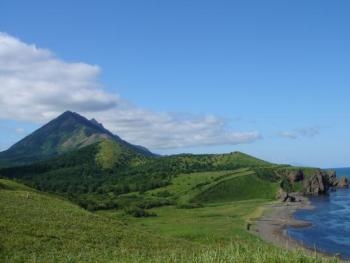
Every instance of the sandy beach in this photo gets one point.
(272, 226)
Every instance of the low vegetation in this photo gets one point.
(239, 188)
(40, 227)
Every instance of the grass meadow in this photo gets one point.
(39, 227)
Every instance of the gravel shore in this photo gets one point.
(277, 217)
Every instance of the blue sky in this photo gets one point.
(270, 78)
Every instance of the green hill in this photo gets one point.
(97, 170)
(83, 161)
(101, 175)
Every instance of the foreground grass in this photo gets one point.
(37, 227)
(221, 223)
(219, 230)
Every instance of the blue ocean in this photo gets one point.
(330, 230)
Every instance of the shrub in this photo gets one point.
(189, 206)
(139, 212)
(164, 193)
(151, 203)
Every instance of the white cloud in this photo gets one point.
(301, 132)
(165, 130)
(37, 86)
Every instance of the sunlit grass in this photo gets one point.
(38, 227)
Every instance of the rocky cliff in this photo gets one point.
(317, 182)
(322, 181)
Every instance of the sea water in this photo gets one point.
(330, 230)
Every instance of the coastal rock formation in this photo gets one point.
(333, 181)
(316, 184)
(322, 181)
(332, 177)
(343, 182)
(288, 197)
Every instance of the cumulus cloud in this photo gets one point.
(165, 130)
(301, 132)
(37, 86)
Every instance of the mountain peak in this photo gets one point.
(69, 131)
(69, 114)
(70, 118)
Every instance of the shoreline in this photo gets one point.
(277, 217)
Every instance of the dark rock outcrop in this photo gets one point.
(331, 177)
(317, 183)
(313, 182)
(295, 176)
(288, 197)
(323, 181)
(343, 182)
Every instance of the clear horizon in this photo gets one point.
(266, 78)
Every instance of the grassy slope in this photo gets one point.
(108, 155)
(220, 228)
(244, 160)
(213, 224)
(37, 227)
(220, 186)
(184, 187)
(245, 187)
